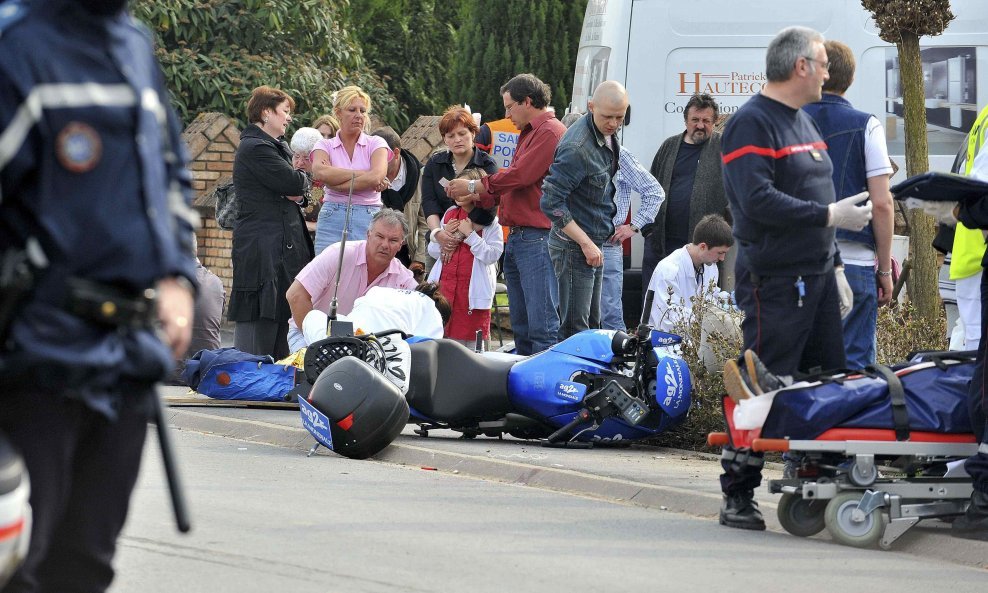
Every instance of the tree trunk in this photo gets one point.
(922, 281)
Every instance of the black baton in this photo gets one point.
(171, 470)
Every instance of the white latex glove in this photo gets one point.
(942, 211)
(844, 292)
(850, 213)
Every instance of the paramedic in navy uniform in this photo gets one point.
(91, 167)
(777, 176)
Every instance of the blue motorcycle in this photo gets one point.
(597, 386)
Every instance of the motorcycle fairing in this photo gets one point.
(591, 345)
(534, 383)
(672, 383)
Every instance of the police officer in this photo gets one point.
(93, 182)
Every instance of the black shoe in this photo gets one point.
(973, 524)
(759, 377)
(735, 382)
(739, 510)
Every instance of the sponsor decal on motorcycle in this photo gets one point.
(671, 386)
(316, 423)
(571, 391)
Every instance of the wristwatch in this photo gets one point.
(472, 186)
(883, 274)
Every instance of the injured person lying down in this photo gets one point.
(926, 393)
(421, 312)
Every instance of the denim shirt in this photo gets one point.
(579, 185)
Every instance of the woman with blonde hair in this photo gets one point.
(327, 125)
(352, 157)
(270, 242)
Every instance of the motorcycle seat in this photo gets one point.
(450, 383)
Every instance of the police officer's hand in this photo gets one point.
(851, 214)
(175, 302)
(595, 258)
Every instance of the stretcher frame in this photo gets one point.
(839, 486)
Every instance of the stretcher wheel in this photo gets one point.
(800, 516)
(849, 529)
(862, 477)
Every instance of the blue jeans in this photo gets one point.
(579, 285)
(533, 295)
(611, 306)
(859, 325)
(329, 227)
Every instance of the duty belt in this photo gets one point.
(110, 305)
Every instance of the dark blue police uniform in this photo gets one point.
(92, 167)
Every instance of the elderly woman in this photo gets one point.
(459, 131)
(270, 243)
(351, 158)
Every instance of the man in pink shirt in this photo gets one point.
(365, 264)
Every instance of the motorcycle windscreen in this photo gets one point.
(672, 383)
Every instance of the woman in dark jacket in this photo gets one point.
(270, 241)
(459, 130)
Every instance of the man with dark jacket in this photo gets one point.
(856, 145)
(578, 197)
(777, 175)
(405, 195)
(687, 166)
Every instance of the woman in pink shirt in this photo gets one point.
(350, 155)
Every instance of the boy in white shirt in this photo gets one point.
(688, 271)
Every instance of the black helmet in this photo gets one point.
(365, 411)
(15, 511)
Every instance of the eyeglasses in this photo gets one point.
(826, 65)
(508, 108)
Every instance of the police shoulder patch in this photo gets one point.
(78, 147)
(11, 12)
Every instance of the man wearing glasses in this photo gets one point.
(532, 291)
(777, 176)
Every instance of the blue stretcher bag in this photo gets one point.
(928, 393)
(228, 373)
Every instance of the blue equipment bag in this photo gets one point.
(228, 373)
(928, 393)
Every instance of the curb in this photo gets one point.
(930, 539)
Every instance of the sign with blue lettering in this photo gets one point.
(316, 423)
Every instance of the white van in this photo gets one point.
(663, 51)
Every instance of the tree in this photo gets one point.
(408, 43)
(214, 52)
(499, 39)
(903, 22)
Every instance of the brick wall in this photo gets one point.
(212, 141)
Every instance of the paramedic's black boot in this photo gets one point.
(760, 378)
(974, 523)
(739, 510)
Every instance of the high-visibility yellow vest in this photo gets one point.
(969, 244)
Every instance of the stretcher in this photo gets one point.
(861, 484)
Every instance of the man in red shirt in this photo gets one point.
(532, 290)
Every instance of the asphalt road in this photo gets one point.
(269, 519)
